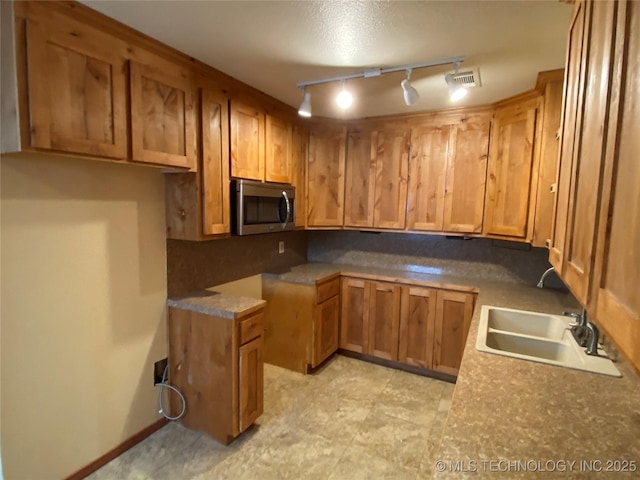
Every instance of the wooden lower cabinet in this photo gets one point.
(414, 325)
(453, 318)
(217, 364)
(301, 322)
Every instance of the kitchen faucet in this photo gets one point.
(579, 328)
(592, 347)
(544, 275)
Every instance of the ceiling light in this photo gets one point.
(305, 106)
(344, 98)
(410, 94)
(456, 91)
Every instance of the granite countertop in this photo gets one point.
(217, 304)
(509, 410)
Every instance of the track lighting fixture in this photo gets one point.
(409, 93)
(456, 91)
(305, 106)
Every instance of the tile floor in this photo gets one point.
(350, 420)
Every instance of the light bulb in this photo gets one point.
(344, 99)
(456, 91)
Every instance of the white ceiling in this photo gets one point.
(273, 45)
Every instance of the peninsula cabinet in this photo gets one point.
(376, 178)
(301, 322)
(325, 176)
(597, 240)
(197, 204)
(512, 171)
(217, 364)
(410, 324)
(247, 130)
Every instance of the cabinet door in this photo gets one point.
(392, 165)
(417, 326)
(587, 168)
(77, 85)
(278, 166)
(384, 320)
(617, 273)
(510, 170)
(453, 317)
(466, 177)
(299, 180)
(427, 167)
(361, 177)
(570, 123)
(163, 113)
(250, 383)
(327, 329)
(215, 163)
(354, 315)
(325, 177)
(247, 141)
(548, 169)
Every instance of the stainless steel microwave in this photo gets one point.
(262, 207)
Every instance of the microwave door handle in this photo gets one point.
(286, 202)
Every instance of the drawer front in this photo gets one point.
(251, 328)
(328, 289)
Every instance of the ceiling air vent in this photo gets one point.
(468, 78)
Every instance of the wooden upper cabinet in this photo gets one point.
(163, 111)
(247, 125)
(570, 122)
(511, 169)
(550, 85)
(617, 274)
(417, 326)
(427, 168)
(466, 176)
(325, 177)
(216, 209)
(278, 162)
(300, 143)
(361, 178)
(454, 311)
(392, 164)
(76, 88)
(587, 166)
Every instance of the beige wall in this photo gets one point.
(83, 269)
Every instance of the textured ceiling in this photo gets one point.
(273, 45)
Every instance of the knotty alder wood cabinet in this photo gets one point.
(198, 203)
(300, 143)
(301, 322)
(217, 364)
(415, 325)
(597, 232)
(72, 81)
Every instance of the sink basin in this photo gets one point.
(538, 337)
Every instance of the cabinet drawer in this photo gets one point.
(251, 328)
(327, 290)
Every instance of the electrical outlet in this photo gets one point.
(158, 370)
(281, 246)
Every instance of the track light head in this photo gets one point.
(305, 106)
(409, 93)
(344, 98)
(456, 91)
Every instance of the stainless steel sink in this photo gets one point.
(538, 337)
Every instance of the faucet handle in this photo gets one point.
(571, 314)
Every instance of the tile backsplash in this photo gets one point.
(476, 258)
(195, 265)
